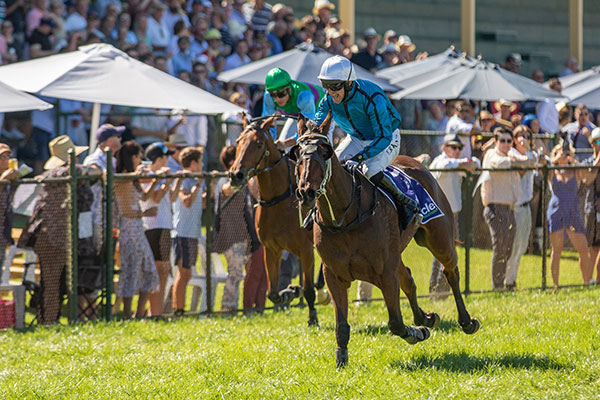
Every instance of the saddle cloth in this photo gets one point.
(413, 189)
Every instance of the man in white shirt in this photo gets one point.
(450, 182)
(546, 110)
(77, 21)
(157, 30)
(459, 123)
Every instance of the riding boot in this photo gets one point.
(407, 207)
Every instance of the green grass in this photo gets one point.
(531, 345)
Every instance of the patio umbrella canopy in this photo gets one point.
(398, 75)
(582, 87)
(474, 79)
(15, 100)
(100, 73)
(302, 63)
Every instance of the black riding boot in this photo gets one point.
(407, 207)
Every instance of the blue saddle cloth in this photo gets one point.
(413, 189)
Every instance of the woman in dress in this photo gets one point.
(138, 271)
(564, 216)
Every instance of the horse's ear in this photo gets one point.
(245, 121)
(301, 124)
(324, 128)
(268, 123)
(294, 153)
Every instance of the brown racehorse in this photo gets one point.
(277, 214)
(358, 236)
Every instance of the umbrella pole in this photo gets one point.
(95, 122)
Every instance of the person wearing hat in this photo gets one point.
(512, 62)
(40, 44)
(107, 135)
(368, 58)
(451, 184)
(461, 123)
(45, 230)
(322, 11)
(591, 182)
(579, 131)
(6, 213)
(289, 97)
(390, 56)
(406, 48)
(504, 109)
(214, 52)
(334, 42)
(158, 228)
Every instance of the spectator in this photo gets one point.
(234, 130)
(140, 29)
(174, 13)
(276, 31)
(137, 268)
(486, 120)
(233, 220)
(76, 21)
(406, 48)
(546, 110)
(107, 135)
(15, 13)
(450, 182)
(564, 216)
(187, 216)
(591, 209)
(255, 52)
(157, 31)
(580, 130)
(500, 192)
(218, 20)
(214, 52)
(237, 22)
(102, 7)
(538, 75)
(322, 11)
(194, 129)
(521, 151)
(40, 43)
(182, 60)
(45, 230)
(8, 49)
(506, 108)
(158, 227)
(239, 57)
(390, 56)
(368, 58)
(123, 29)
(258, 13)
(390, 36)
(334, 42)
(459, 123)
(39, 8)
(150, 128)
(6, 214)
(512, 62)
(35, 149)
(434, 123)
(176, 144)
(571, 67)
(57, 10)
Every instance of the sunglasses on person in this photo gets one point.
(278, 93)
(505, 140)
(584, 114)
(454, 147)
(334, 86)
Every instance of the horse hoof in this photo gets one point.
(432, 320)
(341, 358)
(472, 327)
(313, 320)
(416, 334)
(323, 297)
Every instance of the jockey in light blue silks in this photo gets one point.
(364, 112)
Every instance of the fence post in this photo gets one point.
(544, 223)
(468, 230)
(209, 220)
(108, 236)
(73, 304)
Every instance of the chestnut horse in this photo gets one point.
(358, 236)
(277, 213)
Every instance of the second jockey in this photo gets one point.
(362, 110)
(289, 97)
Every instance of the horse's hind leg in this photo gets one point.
(442, 248)
(390, 287)
(408, 286)
(308, 268)
(339, 295)
(272, 262)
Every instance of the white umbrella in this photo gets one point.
(474, 79)
(100, 73)
(401, 75)
(582, 87)
(302, 63)
(15, 100)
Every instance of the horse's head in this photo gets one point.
(252, 149)
(313, 159)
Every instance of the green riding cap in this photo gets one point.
(277, 78)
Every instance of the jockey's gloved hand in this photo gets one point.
(358, 158)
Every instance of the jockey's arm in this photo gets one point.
(306, 105)
(269, 109)
(322, 110)
(382, 126)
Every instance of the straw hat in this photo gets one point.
(404, 40)
(59, 151)
(503, 102)
(320, 4)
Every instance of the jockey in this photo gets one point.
(289, 97)
(364, 112)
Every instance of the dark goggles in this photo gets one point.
(333, 85)
(279, 93)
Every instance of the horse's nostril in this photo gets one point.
(310, 193)
(239, 175)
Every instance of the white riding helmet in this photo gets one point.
(337, 68)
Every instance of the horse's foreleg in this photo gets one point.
(272, 263)
(390, 287)
(339, 295)
(469, 325)
(408, 286)
(308, 268)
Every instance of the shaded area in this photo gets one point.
(463, 362)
